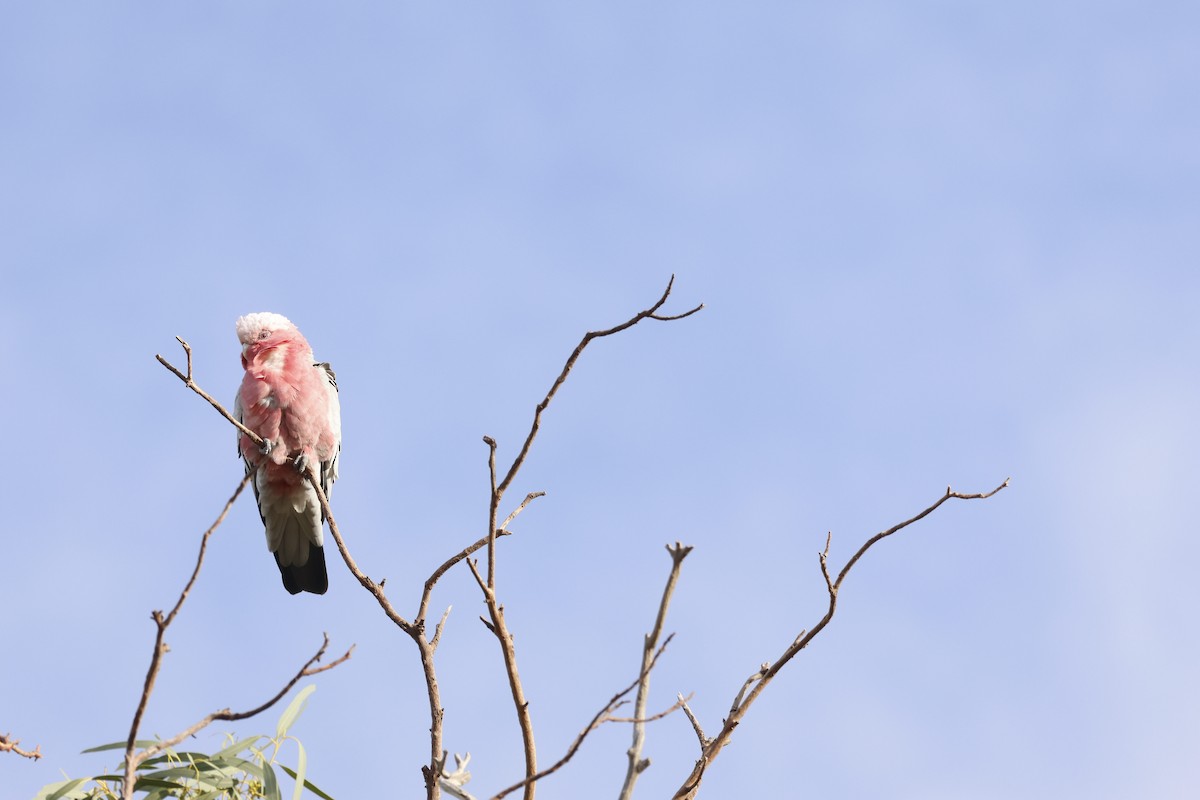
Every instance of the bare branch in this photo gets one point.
(753, 679)
(437, 631)
(602, 716)
(666, 712)
(950, 494)
(225, 715)
(162, 623)
(705, 741)
(445, 567)
(650, 313)
(493, 504)
(191, 384)
(637, 765)
(824, 559)
(415, 631)
(495, 610)
(10, 745)
(754, 686)
(371, 586)
(423, 609)
(529, 498)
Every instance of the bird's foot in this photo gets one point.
(266, 447)
(300, 462)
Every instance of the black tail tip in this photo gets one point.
(308, 577)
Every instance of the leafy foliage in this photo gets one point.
(243, 770)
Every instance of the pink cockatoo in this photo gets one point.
(291, 401)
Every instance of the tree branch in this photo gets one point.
(755, 685)
(649, 313)
(498, 626)
(10, 745)
(191, 384)
(162, 623)
(637, 765)
(602, 716)
(225, 715)
(132, 757)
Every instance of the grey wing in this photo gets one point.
(329, 467)
(239, 415)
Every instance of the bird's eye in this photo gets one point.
(264, 334)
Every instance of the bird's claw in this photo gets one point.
(266, 447)
(301, 463)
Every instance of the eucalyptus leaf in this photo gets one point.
(270, 784)
(307, 784)
(235, 748)
(141, 744)
(301, 770)
(293, 710)
(62, 790)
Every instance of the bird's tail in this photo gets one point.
(307, 577)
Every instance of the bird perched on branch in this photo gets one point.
(291, 401)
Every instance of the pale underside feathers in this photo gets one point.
(291, 401)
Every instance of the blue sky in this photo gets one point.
(939, 243)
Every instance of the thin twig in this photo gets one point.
(437, 631)
(529, 498)
(599, 719)
(225, 715)
(562, 376)
(162, 623)
(671, 709)
(371, 586)
(445, 567)
(753, 679)
(498, 626)
(191, 384)
(133, 758)
(415, 631)
(493, 505)
(10, 745)
(638, 765)
(705, 741)
(758, 682)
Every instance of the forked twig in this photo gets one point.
(161, 623)
(602, 716)
(191, 384)
(649, 313)
(133, 757)
(637, 764)
(754, 686)
(497, 625)
(11, 745)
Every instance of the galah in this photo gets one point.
(291, 401)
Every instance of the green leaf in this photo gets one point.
(301, 770)
(293, 710)
(138, 743)
(61, 790)
(234, 749)
(270, 784)
(307, 784)
(156, 783)
(173, 757)
(209, 779)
